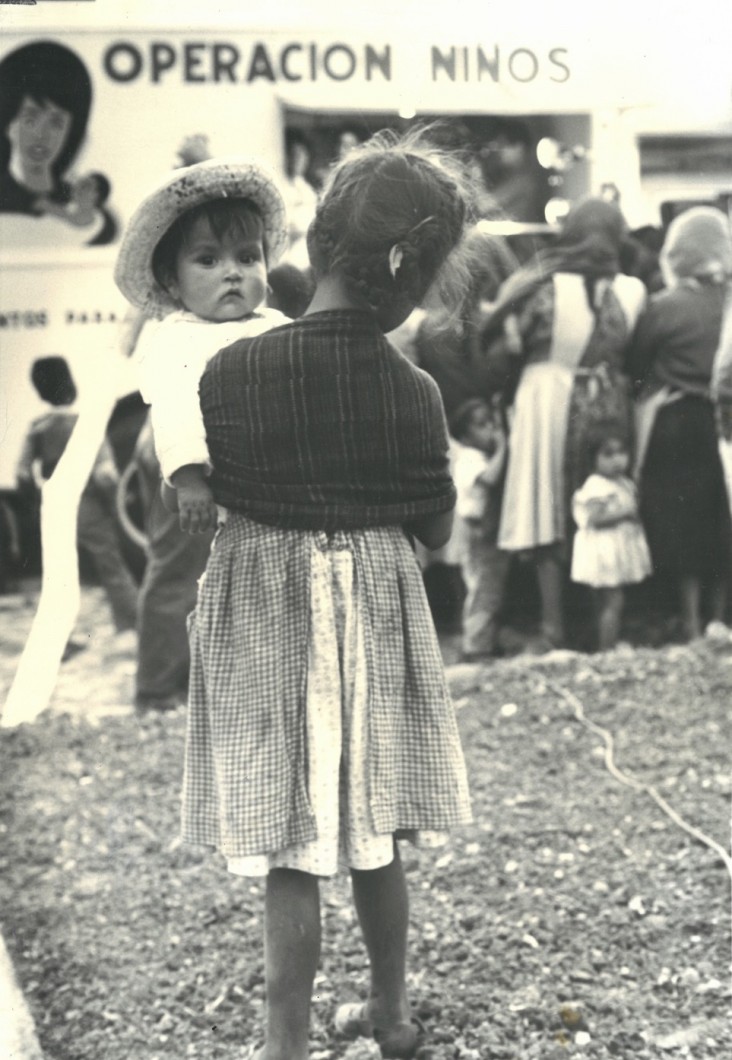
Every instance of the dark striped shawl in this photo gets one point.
(322, 425)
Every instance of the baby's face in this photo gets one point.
(85, 191)
(219, 279)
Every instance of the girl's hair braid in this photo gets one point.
(391, 191)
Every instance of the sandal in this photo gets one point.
(399, 1042)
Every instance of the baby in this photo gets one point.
(88, 195)
(196, 252)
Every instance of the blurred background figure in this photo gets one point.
(300, 196)
(348, 138)
(722, 393)
(97, 530)
(511, 173)
(478, 457)
(193, 148)
(572, 314)
(290, 289)
(175, 562)
(609, 550)
(453, 351)
(683, 499)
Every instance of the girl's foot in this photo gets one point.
(398, 1040)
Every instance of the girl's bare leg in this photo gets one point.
(292, 952)
(382, 905)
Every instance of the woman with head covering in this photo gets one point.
(683, 499)
(572, 313)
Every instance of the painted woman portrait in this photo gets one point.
(45, 100)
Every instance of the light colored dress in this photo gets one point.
(562, 322)
(608, 556)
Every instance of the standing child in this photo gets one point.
(196, 253)
(610, 548)
(479, 460)
(319, 720)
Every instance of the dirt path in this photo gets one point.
(574, 918)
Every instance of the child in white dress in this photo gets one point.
(610, 548)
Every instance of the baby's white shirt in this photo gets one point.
(171, 355)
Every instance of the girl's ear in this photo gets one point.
(396, 256)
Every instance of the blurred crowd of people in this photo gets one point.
(587, 387)
(605, 386)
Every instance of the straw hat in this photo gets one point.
(216, 178)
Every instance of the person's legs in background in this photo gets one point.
(485, 570)
(550, 574)
(167, 596)
(609, 612)
(97, 534)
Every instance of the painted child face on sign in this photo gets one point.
(86, 192)
(38, 132)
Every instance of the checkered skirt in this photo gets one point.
(246, 767)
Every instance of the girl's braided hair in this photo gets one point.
(391, 191)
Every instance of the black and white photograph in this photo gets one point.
(365, 530)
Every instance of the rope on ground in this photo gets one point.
(609, 758)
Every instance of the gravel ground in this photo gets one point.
(574, 918)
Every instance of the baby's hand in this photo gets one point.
(196, 508)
